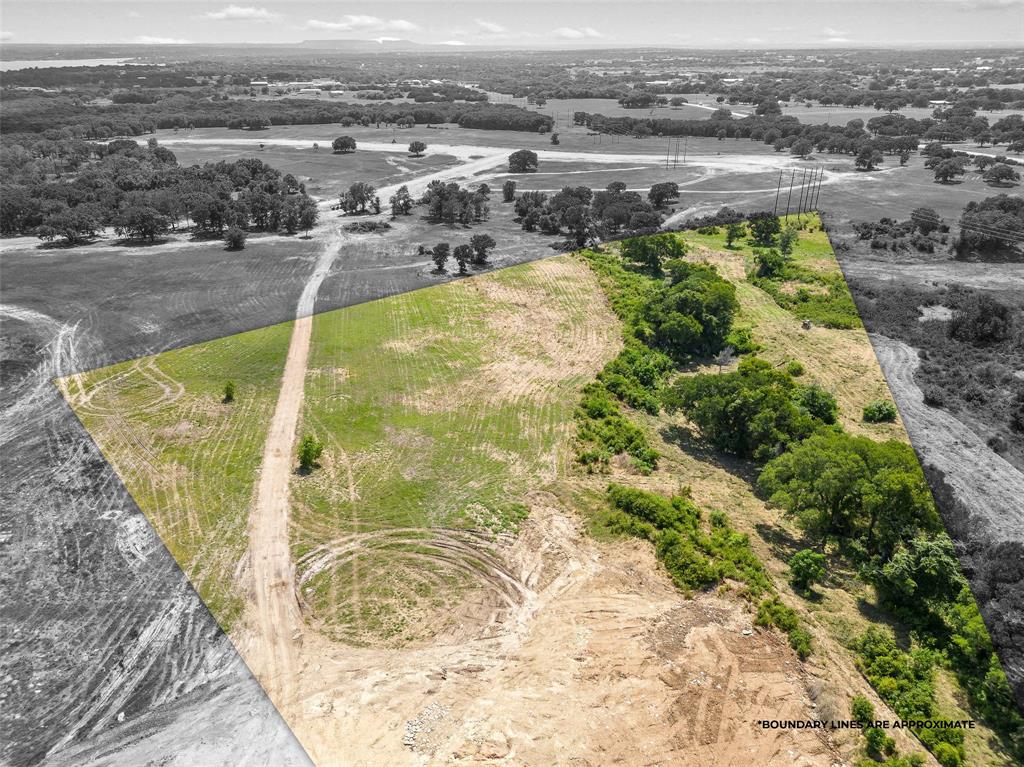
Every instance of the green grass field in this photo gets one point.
(440, 410)
(189, 459)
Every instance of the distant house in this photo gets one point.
(939, 103)
(259, 84)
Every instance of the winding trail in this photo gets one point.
(274, 615)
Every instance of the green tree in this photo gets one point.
(770, 264)
(733, 232)
(235, 237)
(763, 229)
(788, 239)
(417, 148)
(508, 191)
(310, 450)
(653, 251)
(481, 244)
(401, 202)
(947, 170)
(806, 568)
(462, 254)
(343, 145)
(853, 488)
(522, 161)
(229, 391)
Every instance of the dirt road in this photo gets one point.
(990, 487)
(274, 622)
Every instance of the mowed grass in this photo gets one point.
(440, 410)
(189, 459)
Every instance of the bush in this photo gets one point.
(229, 391)
(806, 568)
(772, 612)
(310, 450)
(947, 755)
(235, 238)
(880, 411)
(862, 710)
(695, 557)
(795, 368)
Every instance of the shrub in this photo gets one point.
(310, 450)
(806, 568)
(795, 368)
(235, 238)
(862, 710)
(772, 612)
(229, 391)
(880, 411)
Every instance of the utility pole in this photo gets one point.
(775, 210)
(792, 175)
(686, 143)
(817, 193)
(800, 203)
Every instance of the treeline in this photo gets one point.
(673, 311)
(142, 193)
(41, 115)
(666, 321)
(891, 134)
(865, 500)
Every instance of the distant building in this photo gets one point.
(259, 84)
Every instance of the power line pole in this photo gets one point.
(775, 210)
(792, 175)
(817, 194)
(800, 203)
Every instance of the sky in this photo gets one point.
(524, 23)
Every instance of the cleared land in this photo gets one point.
(441, 565)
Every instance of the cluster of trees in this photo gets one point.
(755, 412)
(585, 216)
(475, 252)
(360, 198)
(142, 193)
(671, 310)
(991, 225)
(451, 204)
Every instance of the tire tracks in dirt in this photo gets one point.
(274, 620)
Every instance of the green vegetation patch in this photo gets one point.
(439, 410)
(189, 455)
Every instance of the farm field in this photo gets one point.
(441, 565)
